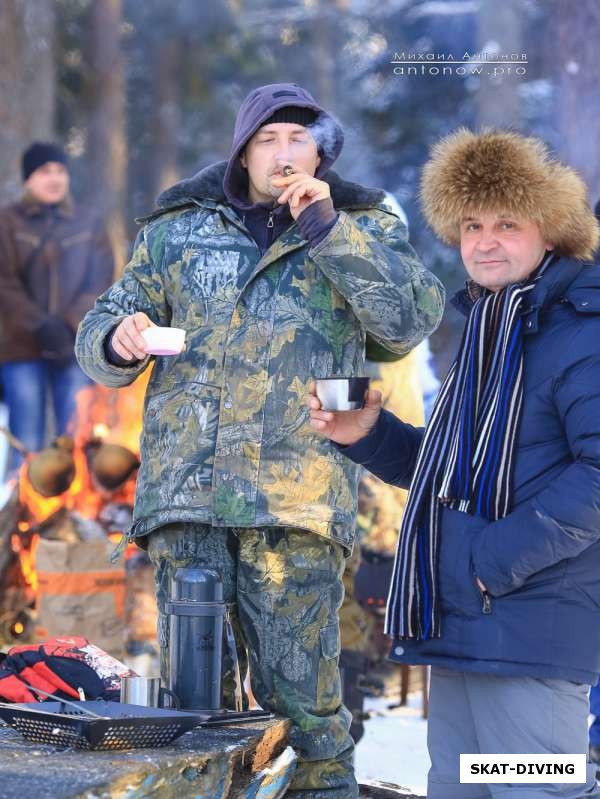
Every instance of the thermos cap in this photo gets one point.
(196, 585)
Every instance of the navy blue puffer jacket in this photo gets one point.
(541, 563)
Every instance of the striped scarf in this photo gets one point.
(466, 457)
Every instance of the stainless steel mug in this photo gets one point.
(145, 691)
(342, 393)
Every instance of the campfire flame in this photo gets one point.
(100, 431)
(113, 415)
(109, 415)
(25, 548)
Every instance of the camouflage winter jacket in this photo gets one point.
(226, 437)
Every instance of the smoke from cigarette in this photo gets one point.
(323, 131)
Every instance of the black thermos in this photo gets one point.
(196, 611)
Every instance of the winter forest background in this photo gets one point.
(143, 92)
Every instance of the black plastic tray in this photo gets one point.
(124, 726)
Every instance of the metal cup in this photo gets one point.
(145, 691)
(342, 393)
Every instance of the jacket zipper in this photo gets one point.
(487, 603)
(53, 278)
(271, 230)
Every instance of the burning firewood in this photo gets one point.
(9, 517)
(78, 491)
(16, 595)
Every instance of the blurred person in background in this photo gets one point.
(55, 258)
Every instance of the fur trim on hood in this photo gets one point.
(208, 185)
(504, 171)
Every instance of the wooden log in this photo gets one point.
(245, 761)
(14, 594)
(9, 516)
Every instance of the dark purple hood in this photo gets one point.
(258, 107)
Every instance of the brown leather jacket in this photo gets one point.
(62, 280)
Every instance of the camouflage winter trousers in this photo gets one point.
(284, 588)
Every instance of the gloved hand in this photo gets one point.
(56, 340)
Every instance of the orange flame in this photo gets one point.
(113, 415)
(26, 555)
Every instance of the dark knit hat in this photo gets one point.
(263, 105)
(38, 154)
(294, 114)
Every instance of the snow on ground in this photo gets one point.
(394, 746)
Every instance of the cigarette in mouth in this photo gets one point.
(288, 169)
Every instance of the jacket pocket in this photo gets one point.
(581, 584)
(459, 592)
(330, 641)
(177, 446)
(213, 273)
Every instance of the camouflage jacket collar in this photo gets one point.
(205, 188)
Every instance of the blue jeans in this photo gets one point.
(26, 385)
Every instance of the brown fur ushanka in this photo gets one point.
(505, 172)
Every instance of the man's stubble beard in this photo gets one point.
(274, 191)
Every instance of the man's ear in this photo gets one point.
(243, 159)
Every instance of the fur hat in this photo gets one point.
(507, 172)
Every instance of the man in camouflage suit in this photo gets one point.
(276, 279)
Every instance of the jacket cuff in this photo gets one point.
(365, 448)
(89, 349)
(112, 356)
(316, 221)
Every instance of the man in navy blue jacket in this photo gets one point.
(496, 581)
